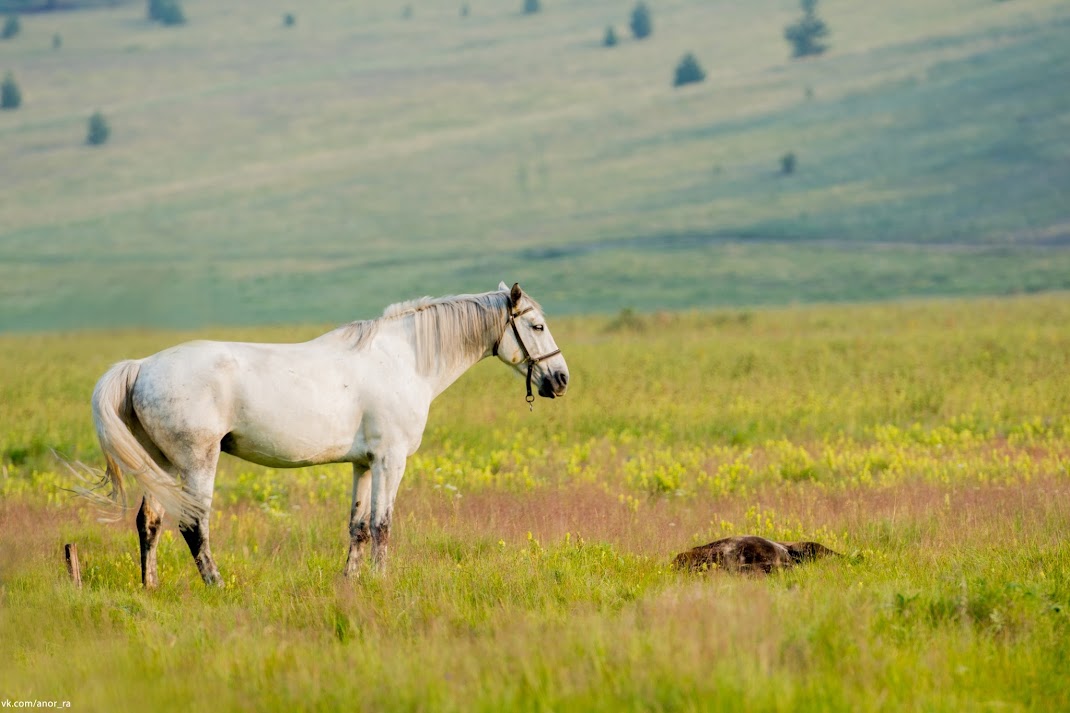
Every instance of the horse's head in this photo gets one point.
(527, 345)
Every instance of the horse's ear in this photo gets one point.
(516, 294)
(502, 287)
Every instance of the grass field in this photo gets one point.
(259, 176)
(262, 174)
(929, 441)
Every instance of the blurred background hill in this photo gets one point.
(268, 161)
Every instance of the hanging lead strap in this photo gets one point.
(530, 399)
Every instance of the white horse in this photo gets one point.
(359, 394)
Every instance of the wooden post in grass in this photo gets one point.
(70, 553)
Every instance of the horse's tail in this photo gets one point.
(113, 416)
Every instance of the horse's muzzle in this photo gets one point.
(554, 384)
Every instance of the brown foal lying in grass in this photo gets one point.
(748, 553)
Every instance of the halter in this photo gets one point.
(528, 359)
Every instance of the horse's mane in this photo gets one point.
(444, 331)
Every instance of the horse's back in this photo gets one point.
(275, 404)
(226, 370)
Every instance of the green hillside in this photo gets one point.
(262, 173)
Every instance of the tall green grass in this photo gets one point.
(927, 441)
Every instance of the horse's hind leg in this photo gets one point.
(196, 536)
(148, 529)
(199, 483)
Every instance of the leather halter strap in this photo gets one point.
(530, 360)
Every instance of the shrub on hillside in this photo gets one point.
(289, 20)
(167, 12)
(626, 321)
(610, 38)
(787, 163)
(57, 41)
(99, 131)
(12, 26)
(688, 71)
(173, 15)
(805, 34)
(10, 96)
(641, 23)
(532, 6)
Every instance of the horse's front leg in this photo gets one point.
(359, 516)
(374, 490)
(387, 470)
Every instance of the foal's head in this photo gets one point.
(527, 345)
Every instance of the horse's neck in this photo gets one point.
(445, 377)
(453, 369)
(451, 355)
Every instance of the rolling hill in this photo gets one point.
(258, 173)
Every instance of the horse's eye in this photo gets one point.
(538, 327)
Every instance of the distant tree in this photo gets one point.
(12, 26)
(610, 39)
(641, 23)
(57, 41)
(805, 34)
(532, 6)
(289, 20)
(167, 12)
(688, 71)
(99, 131)
(406, 12)
(10, 96)
(787, 163)
(464, 10)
